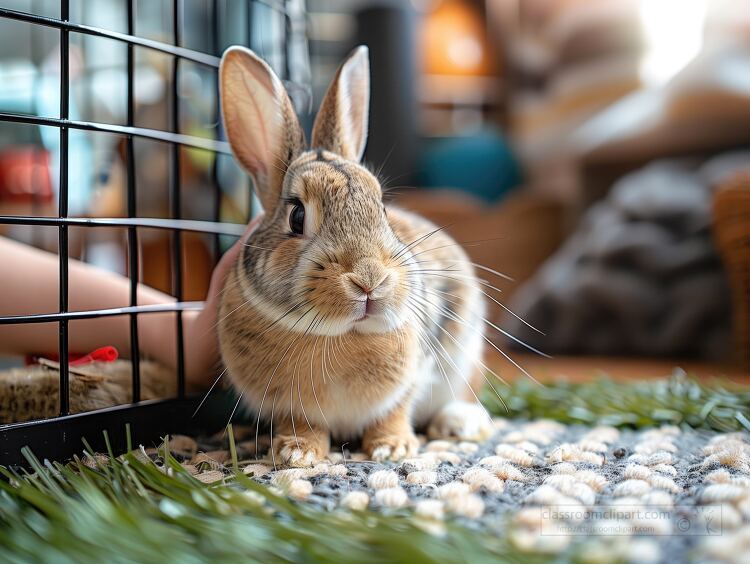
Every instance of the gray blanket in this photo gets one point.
(640, 275)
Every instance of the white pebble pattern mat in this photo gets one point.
(654, 495)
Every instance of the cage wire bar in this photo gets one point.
(216, 47)
(59, 437)
(135, 349)
(64, 388)
(175, 201)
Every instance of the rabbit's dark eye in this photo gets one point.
(297, 218)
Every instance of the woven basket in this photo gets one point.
(732, 235)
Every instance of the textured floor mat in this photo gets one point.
(598, 493)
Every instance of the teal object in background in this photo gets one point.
(482, 165)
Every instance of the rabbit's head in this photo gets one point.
(325, 259)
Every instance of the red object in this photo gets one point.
(25, 175)
(103, 354)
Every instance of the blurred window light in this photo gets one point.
(674, 35)
(465, 52)
(453, 40)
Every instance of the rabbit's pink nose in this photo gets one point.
(370, 287)
(363, 286)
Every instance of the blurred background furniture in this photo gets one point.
(512, 122)
(731, 212)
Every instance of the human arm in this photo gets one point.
(29, 285)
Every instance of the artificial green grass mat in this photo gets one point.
(128, 509)
(719, 406)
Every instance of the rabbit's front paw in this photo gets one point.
(298, 451)
(461, 420)
(392, 447)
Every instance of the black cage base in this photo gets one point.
(62, 437)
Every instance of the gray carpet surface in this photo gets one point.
(597, 494)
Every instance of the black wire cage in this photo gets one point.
(201, 29)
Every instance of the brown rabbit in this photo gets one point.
(342, 316)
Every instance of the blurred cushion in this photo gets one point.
(482, 165)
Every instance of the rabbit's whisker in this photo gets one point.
(504, 354)
(409, 246)
(241, 392)
(273, 450)
(327, 353)
(443, 353)
(498, 329)
(434, 270)
(301, 403)
(312, 384)
(208, 393)
(447, 356)
(478, 363)
(227, 286)
(418, 240)
(291, 411)
(290, 310)
(491, 271)
(454, 276)
(463, 244)
(422, 335)
(413, 255)
(439, 365)
(338, 343)
(510, 311)
(270, 378)
(315, 346)
(215, 325)
(412, 273)
(257, 247)
(244, 387)
(476, 265)
(326, 374)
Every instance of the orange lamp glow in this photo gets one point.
(453, 40)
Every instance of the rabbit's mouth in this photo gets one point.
(376, 317)
(368, 308)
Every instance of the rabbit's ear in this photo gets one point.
(260, 122)
(341, 124)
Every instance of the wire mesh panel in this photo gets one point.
(146, 113)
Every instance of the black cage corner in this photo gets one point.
(147, 421)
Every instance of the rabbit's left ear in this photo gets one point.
(260, 122)
(341, 124)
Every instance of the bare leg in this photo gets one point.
(29, 283)
(31, 287)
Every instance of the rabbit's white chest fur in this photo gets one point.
(431, 386)
(351, 412)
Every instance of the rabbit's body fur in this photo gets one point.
(358, 377)
(364, 323)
